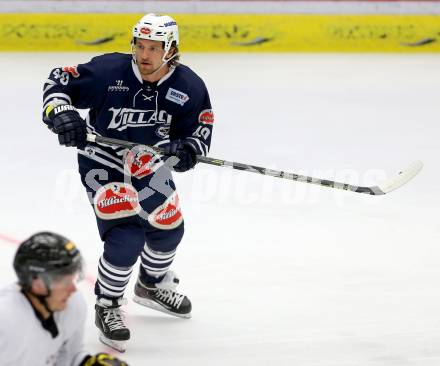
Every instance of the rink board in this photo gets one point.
(227, 33)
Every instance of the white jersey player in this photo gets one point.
(43, 316)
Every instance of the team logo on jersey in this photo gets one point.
(168, 215)
(141, 163)
(129, 117)
(176, 96)
(72, 70)
(148, 98)
(206, 117)
(163, 132)
(115, 201)
(145, 30)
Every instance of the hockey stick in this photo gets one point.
(382, 188)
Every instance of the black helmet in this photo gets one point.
(46, 255)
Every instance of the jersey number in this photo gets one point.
(202, 132)
(62, 76)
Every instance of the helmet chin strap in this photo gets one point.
(42, 299)
(165, 62)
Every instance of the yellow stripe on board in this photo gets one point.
(227, 33)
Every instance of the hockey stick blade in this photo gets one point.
(399, 180)
(387, 186)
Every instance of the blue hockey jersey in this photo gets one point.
(123, 106)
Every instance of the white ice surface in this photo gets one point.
(279, 272)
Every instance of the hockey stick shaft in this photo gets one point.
(374, 190)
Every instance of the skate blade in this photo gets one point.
(119, 346)
(155, 306)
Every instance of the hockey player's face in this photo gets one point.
(148, 55)
(61, 290)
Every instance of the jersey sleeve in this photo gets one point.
(196, 122)
(78, 86)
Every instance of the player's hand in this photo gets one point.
(185, 153)
(66, 122)
(104, 359)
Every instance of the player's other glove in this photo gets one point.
(103, 359)
(66, 122)
(184, 151)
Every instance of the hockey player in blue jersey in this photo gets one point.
(150, 98)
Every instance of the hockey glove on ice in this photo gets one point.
(184, 151)
(66, 122)
(103, 359)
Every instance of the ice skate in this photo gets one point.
(163, 297)
(110, 321)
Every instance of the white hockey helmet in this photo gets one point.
(157, 28)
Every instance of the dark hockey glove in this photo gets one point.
(103, 359)
(66, 122)
(180, 155)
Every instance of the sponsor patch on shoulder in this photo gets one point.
(116, 200)
(176, 96)
(72, 70)
(206, 117)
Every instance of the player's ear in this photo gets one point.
(38, 286)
